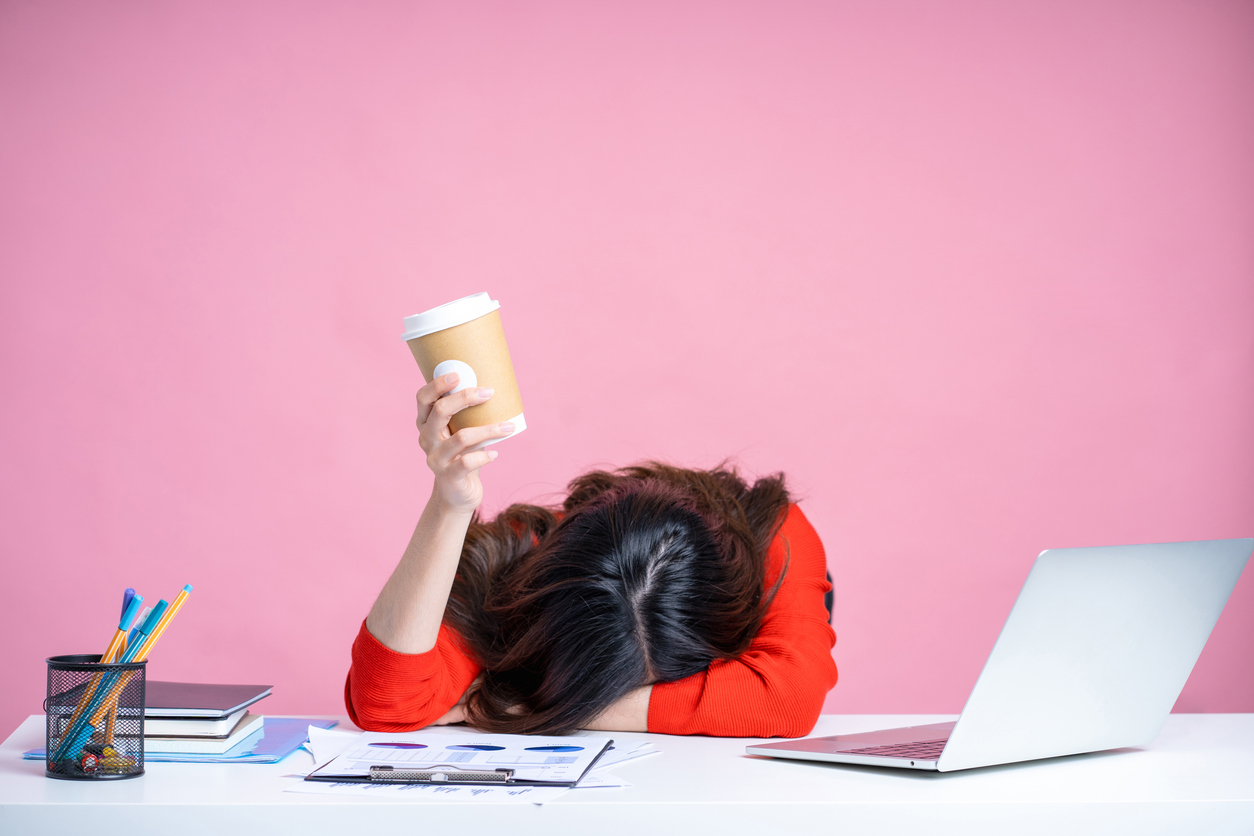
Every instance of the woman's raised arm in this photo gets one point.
(407, 614)
(409, 671)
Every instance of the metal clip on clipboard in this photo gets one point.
(439, 774)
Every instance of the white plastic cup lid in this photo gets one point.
(447, 315)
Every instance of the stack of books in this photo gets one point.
(199, 719)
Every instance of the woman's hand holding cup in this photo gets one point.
(451, 456)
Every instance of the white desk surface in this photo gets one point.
(1197, 777)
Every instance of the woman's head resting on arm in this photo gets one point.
(651, 573)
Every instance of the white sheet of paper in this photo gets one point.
(628, 751)
(325, 744)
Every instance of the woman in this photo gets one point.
(657, 599)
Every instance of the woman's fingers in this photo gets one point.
(470, 437)
(434, 429)
(473, 461)
(452, 457)
(449, 405)
(432, 392)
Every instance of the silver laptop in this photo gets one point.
(1094, 654)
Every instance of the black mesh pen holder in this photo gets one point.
(95, 719)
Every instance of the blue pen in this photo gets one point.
(128, 615)
(126, 599)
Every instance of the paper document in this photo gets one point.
(600, 781)
(325, 745)
(545, 761)
(623, 751)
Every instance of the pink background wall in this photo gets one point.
(978, 276)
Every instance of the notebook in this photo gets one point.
(195, 699)
(249, 724)
(193, 726)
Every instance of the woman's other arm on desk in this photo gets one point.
(777, 687)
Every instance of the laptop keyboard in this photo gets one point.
(923, 750)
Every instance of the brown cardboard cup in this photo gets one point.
(468, 331)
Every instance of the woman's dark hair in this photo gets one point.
(650, 573)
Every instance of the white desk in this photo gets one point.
(1197, 778)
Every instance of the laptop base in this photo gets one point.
(909, 747)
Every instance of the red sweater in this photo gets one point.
(773, 689)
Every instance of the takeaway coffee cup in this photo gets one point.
(466, 337)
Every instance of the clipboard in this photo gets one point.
(460, 759)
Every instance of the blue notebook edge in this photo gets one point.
(278, 738)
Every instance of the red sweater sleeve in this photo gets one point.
(776, 687)
(392, 692)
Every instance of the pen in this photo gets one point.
(124, 624)
(119, 640)
(138, 621)
(145, 630)
(164, 622)
(110, 719)
(158, 620)
(140, 655)
(138, 652)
